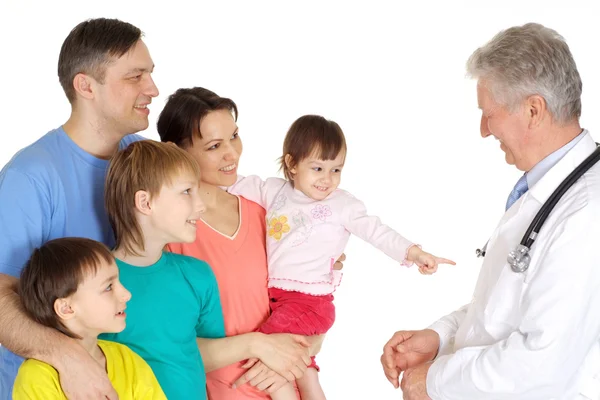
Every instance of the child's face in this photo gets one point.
(99, 304)
(318, 178)
(176, 210)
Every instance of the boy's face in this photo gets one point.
(176, 210)
(99, 304)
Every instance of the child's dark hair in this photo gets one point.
(54, 271)
(308, 135)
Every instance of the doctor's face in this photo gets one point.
(508, 128)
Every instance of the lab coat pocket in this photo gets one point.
(503, 306)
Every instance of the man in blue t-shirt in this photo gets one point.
(55, 187)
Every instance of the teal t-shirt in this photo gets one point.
(172, 302)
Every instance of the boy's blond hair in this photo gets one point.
(144, 165)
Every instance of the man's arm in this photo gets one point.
(558, 327)
(78, 372)
(446, 327)
(25, 215)
(39, 342)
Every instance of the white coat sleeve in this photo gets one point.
(446, 327)
(558, 325)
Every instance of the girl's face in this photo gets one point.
(218, 150)
(317, 178)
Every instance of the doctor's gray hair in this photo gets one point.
(530, 60)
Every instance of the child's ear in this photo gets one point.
(142, 202)
(62, 308)
(289, 163)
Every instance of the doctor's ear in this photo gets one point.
(536, 110)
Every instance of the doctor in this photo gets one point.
(535, 334)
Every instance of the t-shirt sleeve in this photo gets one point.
(146, 385)
(37, 381)
(25, 215)
(210, 324)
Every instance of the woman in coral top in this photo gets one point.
(231, 238)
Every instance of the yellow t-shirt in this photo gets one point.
(129, 374)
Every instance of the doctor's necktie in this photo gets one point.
(518, 191)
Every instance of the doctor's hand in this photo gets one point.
(414, 383)
(408, 349)
(426, 262)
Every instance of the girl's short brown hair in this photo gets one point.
(143, 165)
(311, 134)
(54, 271)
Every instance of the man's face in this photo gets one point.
(509, 128)
(122, 100)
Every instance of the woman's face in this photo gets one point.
(218, 150)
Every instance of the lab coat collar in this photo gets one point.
(542, 190)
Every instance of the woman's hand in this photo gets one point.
(284, 353)
(261, 377)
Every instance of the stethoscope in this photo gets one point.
(519, 258)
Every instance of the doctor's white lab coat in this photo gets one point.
(532, 335)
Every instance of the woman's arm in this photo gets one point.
(263, 378)
(286, 354)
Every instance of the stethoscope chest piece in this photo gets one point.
(519, 258)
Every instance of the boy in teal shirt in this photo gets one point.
(151, 197)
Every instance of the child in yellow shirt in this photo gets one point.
(72, 285)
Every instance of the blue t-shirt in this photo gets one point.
(50, 189)
(173, 302)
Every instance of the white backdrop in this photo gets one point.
(391, 75)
